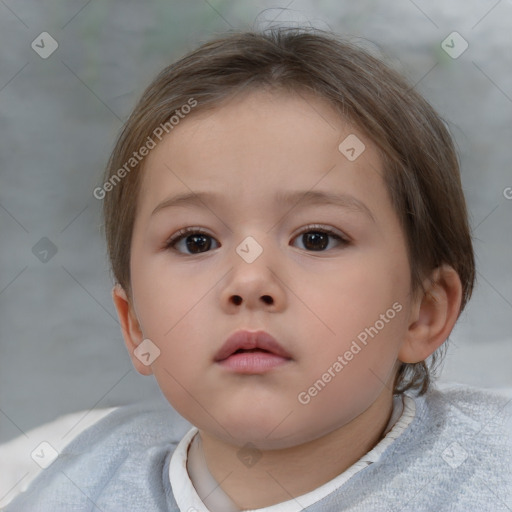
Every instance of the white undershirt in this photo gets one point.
(190, 477)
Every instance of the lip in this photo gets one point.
(269, 355)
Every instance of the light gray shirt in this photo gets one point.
(454, 454)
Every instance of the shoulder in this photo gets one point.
(117, 463)
(144, 423)
(455, 454)
(460, 412)
(475, 407)
(462, 441)
(130, 429)
(26, 456)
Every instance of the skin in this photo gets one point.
(314, 302)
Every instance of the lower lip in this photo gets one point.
(253, 362)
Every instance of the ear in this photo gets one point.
(433, 315)
(130, 327)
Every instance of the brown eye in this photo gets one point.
(190, 241)
(317, 239)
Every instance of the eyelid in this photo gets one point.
(196, 229)
(327, 229)
(184, 231)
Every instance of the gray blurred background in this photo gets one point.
(60, 343)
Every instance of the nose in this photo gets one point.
(254, 286)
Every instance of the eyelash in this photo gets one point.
(182, 233)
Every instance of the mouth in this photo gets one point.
(244, 350)
(251, 352)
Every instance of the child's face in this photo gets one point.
(314, 295)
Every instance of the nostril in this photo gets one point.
(267, 299)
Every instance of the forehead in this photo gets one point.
(258, 143)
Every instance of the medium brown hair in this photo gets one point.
(421, 169)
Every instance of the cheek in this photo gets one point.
(175, 313)
(351, 370)
(163, 298)
(355, 295)
(361, 313)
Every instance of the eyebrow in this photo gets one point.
(288, 198)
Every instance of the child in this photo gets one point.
(333, 259)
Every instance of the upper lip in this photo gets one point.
(248, 340)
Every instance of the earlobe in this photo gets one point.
(433, 315)
(130, 327)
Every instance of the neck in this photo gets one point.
(282, 474)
